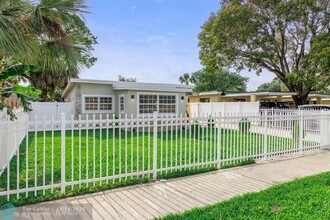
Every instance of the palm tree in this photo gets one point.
(36, 34)
(184, 79)
(13, 41)
(24, 25)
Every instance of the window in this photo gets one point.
(239, 100)
(167, 103)
(98, 103)
(149, 104)
(105, 103)
(91, 103)
(121, 103)
(204, 99)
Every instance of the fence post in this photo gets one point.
(324, 128)
(198, 108)
(328, 123)
(327, 120)
(239, 107)
(301, 135)
(155, 146)
(8, 156)
(219, 142)
(265, 131)
(62, 153)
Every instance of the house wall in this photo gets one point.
(131, 105)
(219, 98)
(256, 98)
(92, 89)
(213, 98)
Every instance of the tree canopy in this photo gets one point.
(274, 86)
(185, 79)
(288, 38)
(126, 79)
(43, 41)
(221, 80)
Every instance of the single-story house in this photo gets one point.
(215, 96)
(119, 98)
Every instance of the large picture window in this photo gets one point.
(147, 104)
(167, 104)
(164, 104)
(98, 103)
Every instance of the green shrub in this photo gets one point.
(244, 125)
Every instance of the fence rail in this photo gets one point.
(71, 155)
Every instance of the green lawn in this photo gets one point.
(306, 198)
(127, 153)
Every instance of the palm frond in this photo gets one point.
(12, 38)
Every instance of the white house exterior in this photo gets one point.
(101, 97)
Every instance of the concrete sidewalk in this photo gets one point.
(176, 195)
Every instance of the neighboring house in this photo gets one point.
(120, 98)
(215, 96)
(12, 101)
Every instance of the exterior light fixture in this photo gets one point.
(132, 97)
(182, 97)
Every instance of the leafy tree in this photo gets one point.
(9, 86)
(274, 86)
(289, 38)
(126, 79)
(218, 81)
(34, 39)
(185, 79)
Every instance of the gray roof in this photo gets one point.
(234, 94)
(117, 85)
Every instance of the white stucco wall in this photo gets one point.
(131, 105)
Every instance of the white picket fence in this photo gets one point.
(9, 142)
(68, 155)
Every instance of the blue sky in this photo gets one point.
(151, 40)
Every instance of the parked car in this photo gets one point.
(267, 105)
(314, 107)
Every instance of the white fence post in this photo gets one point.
(239, 107)
(198, 108)
(63, 153)
(301, 130)
(8, 157)
(155, 147)
(219, 143)
(265, 135)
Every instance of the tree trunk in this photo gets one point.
(52, 94)
(43, 95)
(300, 99)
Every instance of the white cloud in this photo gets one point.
(153, 62)
(148, 64)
